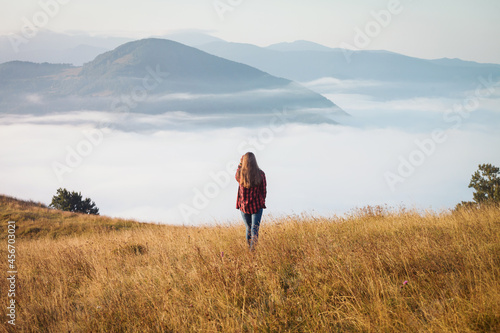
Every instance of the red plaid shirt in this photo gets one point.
(251, 200)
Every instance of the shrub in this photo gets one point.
(73, 202)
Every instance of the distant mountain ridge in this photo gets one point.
(339, 63)
(300, 61)
(214, 76)
(53, 47)
(406, 76)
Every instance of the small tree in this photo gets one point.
(486, 182)
(72, 202)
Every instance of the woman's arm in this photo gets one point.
(238, 171)
(237, 176)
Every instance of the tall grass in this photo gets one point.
(308, 274)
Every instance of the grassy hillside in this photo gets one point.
(309, 274)
(35, 220)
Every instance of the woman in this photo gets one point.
(251, 195)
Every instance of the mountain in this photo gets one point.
(189, 69)
(299, 45)
(48, 46)
(398, 76)
(77, 48)
(156, 76)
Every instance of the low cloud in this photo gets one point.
(334, 84)
(178, 167)
(322, 169)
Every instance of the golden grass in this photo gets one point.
(308, 274)
(37, 220)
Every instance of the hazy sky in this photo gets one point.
(423, 28)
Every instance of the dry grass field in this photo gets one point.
(376, 270)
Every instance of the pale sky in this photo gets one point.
(464, 29)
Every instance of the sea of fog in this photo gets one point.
(418, 153)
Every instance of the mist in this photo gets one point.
(385, 153)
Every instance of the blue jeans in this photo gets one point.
(252, 224)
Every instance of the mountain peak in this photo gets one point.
(188, 68)
(191, 37)
(132, 58)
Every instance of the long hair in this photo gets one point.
(250, 174)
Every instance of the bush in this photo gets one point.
(72, 202)
(486, 182)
